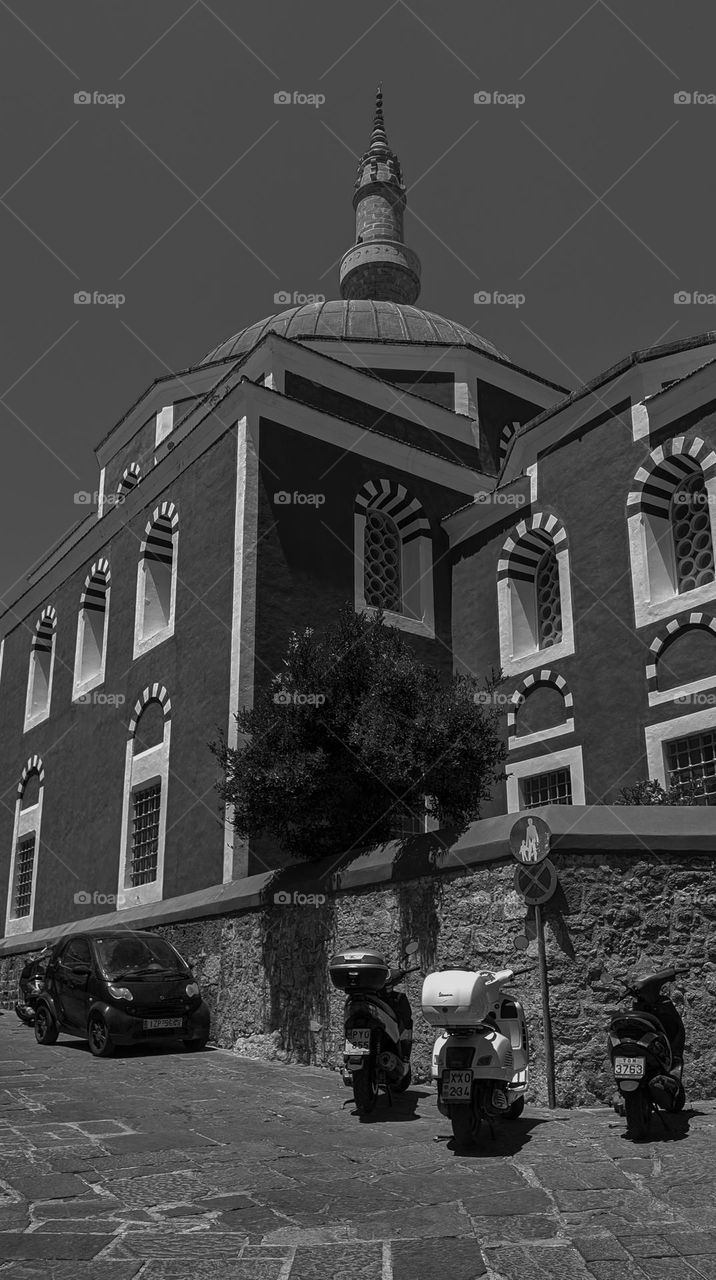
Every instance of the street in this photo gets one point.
(159, 1163)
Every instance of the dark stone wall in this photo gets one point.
(265, 972)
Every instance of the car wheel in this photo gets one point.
(100, 1041)
(195, 1046)
(46, 1029)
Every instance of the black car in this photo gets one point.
(119, 987)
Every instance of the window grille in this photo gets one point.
(692, 760)
(23, 876)
(554, 787)
(381, 560)
(691, 527)
(145, 834)
(549, 611)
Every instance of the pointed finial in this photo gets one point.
(378, 138)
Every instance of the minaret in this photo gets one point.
(380, 266)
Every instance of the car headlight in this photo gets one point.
(192, 989)
(119, 993)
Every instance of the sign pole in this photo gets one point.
(546, 1020)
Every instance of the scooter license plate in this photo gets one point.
(357, 1041)
(456, 1086)
(628, 1068)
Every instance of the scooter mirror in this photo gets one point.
(411, 948)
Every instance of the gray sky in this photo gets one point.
(594, 198)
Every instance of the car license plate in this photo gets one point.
(357, 1041)
(628, 1068)
(456, 1086)
(161, 1024)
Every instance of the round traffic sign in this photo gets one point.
(529, 840)
(536, 883)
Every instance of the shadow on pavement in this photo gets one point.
(403, 1107)
(169, 1048)
(508, 1140)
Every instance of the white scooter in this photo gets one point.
(481, 1061)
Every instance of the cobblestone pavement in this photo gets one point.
(160, 1163)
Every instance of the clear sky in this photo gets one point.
(199, 197)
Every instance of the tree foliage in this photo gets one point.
(354, 736)
(652, 792)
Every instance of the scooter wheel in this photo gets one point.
(405, 1083)
(680, 1099)
(638, 1114)
(515, 1110)
(365, 1088)
(465, 1126)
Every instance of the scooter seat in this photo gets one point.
(654, 979)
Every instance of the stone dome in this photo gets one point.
(355, 320)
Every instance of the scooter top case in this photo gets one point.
(359, 970)
(459, 998)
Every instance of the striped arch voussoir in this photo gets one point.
(704, 621)
(394, 500)
(47, 619)
(534, 680)
(34, 765)
(531, 536)
(130, 478)
(153, 693)
(95, 588)
(667, 466)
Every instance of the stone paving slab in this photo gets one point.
(160, 1165)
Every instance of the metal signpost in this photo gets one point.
(536, 880)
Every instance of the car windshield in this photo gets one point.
(134, 956)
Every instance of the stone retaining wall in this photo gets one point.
(264, 971)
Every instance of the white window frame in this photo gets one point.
(416, 575)
(568, 758)
(656, 735)
(82, 687)
(39, 716)
(27, 822)
(652, 561)
(142, 643)
(147, 766)
(506, 595)
(164, 424)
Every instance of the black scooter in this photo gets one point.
(646, 1048)
(378, 1024)
(30, 985)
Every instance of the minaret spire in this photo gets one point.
(379, 266)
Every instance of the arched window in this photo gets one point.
(534, 594)
(42, 662)
(393, 557)
(91, 646)
(671, 521)
(25, 845)
(156, 580)
(381, 562)
(130, 479)
(691, 532)
(144, 818)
